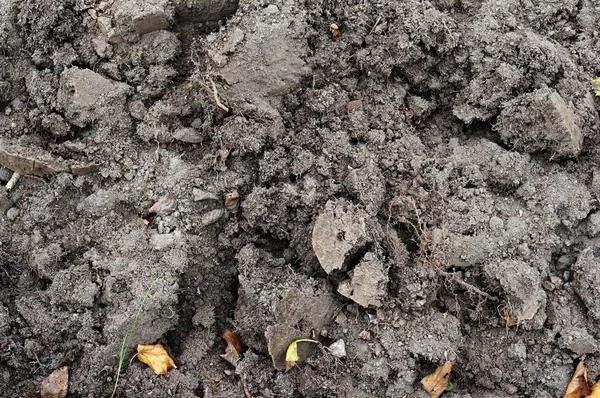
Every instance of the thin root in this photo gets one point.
(215, 93)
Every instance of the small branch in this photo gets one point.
(245, 386)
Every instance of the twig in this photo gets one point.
(245, 386)
(374, 26)
(216, 95)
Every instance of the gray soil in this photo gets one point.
(453, 212)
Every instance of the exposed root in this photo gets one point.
(215, 93)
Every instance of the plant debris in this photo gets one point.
(437, 382)
(335, 31)
(221, 157)
(165, 205)
(232, 201)
(354, 106)
(578, 386)
(156, 357)
(291, 355)
(233, 351)
(56, 385)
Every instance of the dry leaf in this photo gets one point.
(354, 106)
(156, 357)
(56, 385)
(365, 335)
(164, 206)
(595, 391)
(221, 157)
(233, 352)
(232, 201)
(333, 28)
(578, 386)
(435, 384)
(291, 355)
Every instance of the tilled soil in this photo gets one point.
(419, 179)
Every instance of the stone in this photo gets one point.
(85, 96)
(522, 286)
(577, 340)
(368, 286)
(212, 217)
(12, 213)
(541, 121)
(339, 230)
(338, 348)
(203, 195)
(188, 134)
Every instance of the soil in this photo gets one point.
(419, 179)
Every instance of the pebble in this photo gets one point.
(338, 349)
(212, 216)
(12, 213)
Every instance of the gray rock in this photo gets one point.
(86, 96)
(368, 286)
(188, 134)
(541, 121)
(338, 349)
(203, 195)
(12, 213)
(339, 230)
(577, 340)
(522, 286)
(212, 216)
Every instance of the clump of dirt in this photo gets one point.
(420, 182)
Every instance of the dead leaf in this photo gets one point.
(291, 355)
(165, 205)
(578, 386)
(354, 106)
(595, 391)
(232, 201)
(365, 335)
(333, 28)
(435, 384)
(221, 157)
(56, 385)
(156, 357)
(233, 351)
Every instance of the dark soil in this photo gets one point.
(451, 213)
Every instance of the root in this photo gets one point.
(215, 94)
(428, 253)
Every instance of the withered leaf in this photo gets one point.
(232, 200)
(595, 391)
(233, 351)
(578, 386)
(165, 205)
(56, 385)
(435, 384)
(291, 355)
(221, 159)
(156, 357)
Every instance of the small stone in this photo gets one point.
(12, 213)
(203, 195)
(338, 349)
(496, 223)
(188, 134)
(150, 21)
(212, 217)
(137, 109)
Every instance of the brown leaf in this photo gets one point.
(56, 385)
(233, 351)
(435, 384)
(232, 200)
(156, 357)
(578, 386)
(221, 157)
(595, 391)
(333, 28)
(165, 205)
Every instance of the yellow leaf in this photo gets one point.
(291, 355)
(596, 82)
(578, 386)
(435, 384)
(156, 357)
(595, 391)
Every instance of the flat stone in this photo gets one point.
(339, 230)
(212, 217)
(368, 286)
